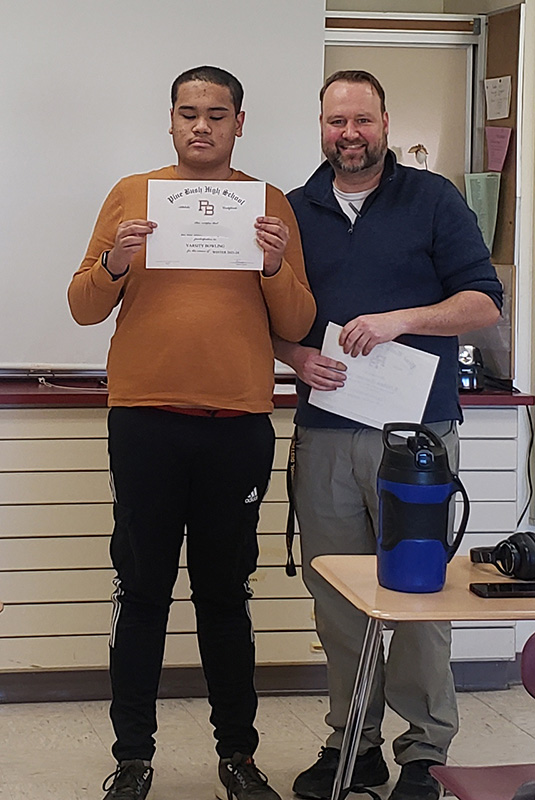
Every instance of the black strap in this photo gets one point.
(291, 570)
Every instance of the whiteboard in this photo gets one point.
(84, 90)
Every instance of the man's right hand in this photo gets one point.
(318, 371)
(129, 240)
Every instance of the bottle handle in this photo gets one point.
(454, 546)
(392, 427)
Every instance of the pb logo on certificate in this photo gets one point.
(205, 225)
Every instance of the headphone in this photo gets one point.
(514, 556)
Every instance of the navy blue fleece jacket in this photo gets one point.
(415, 243)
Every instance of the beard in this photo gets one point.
(349, 162)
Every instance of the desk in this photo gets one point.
(355, 578)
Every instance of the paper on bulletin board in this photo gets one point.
(497, 146)
(482, 193)
(498, 94)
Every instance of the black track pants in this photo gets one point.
(169, 472)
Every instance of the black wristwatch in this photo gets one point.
(104, 262)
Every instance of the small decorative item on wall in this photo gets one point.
(420, 153)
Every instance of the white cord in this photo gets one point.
(85, 390)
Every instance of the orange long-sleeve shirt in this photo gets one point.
(191, 338)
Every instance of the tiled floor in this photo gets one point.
(60, 751)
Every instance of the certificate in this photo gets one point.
(205, 224)
(391, 384)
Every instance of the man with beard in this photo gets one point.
(392, 253)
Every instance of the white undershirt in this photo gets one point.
(348, 199)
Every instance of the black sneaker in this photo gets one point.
(415, 782)
(316, 782)
(130, 781)
(241, 778)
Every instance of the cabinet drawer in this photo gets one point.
(273, 517)
(273, 550)
(84, 552)
(96, 518)
(266, 583)
(53, 423)
(488, 517)
(299, 647)
(54, 487)
(277, 487)
(56, 520)
(54, 652)
(267, 615)
(92, 552)
(492, 422)
(489, 485)
(85, 652)
(273, 582)
(479, 540)
(89, 585)
(70, 619)
(283, 422)
(282, 447)
(32, 455)
(488, 454)
(483, 644)
(52, 586)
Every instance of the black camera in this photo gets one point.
(470, 369)
(514, 556)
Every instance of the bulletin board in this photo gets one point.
(502, 59)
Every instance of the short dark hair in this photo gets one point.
(355, 76)
(210, 75)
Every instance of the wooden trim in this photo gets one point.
(447, 26)
(29, 394)
(502, 59)
(85, 685)
(486, 676)
(79, 685)
(78, 393)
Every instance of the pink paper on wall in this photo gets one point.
(497, 144)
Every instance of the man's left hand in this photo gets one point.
(360, 335)
(272, 235)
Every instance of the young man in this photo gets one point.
(391, 252)
(190, 373)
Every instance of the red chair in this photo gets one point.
(494, 783)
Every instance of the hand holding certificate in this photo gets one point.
(390, 384)
(205, 225)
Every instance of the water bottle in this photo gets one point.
(415, 486)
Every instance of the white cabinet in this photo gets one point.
(488, 469)
(55, 571)
(55, 521)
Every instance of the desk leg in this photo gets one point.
(357, 709)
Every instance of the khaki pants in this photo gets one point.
(337, 508)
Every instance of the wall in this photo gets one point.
(413, 6)
(422, 6)
(84, 92)
(425, 98)
(476, 6)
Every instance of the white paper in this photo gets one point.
(498, 94)
(205, 224)
(482, 195)
(391, 384)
